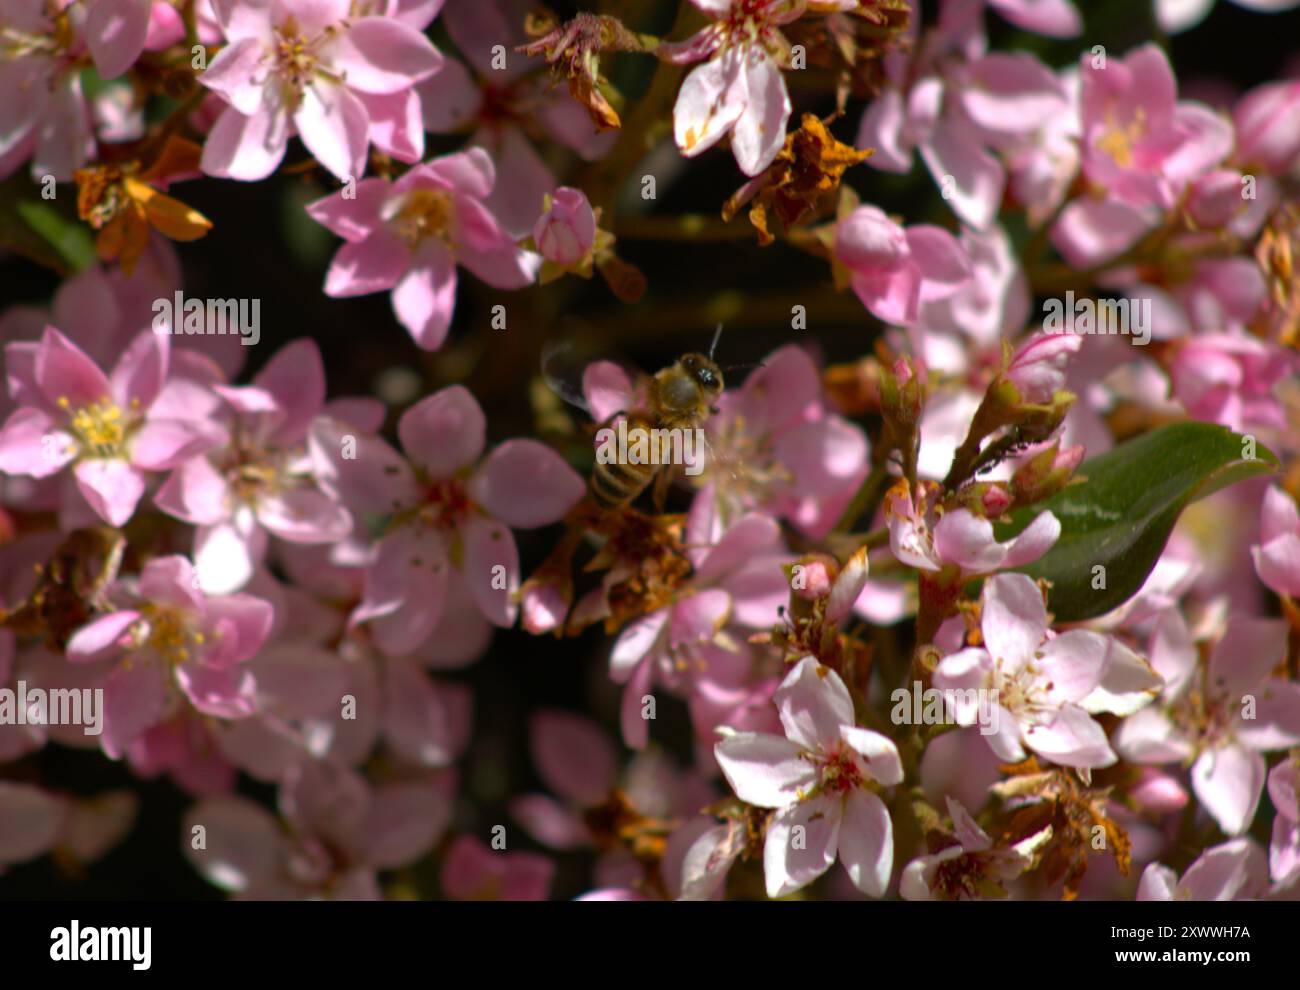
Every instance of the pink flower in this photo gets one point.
(1219, 718)
(501, 107)
(1230, 379)
(740, 91)
(893, 270)
(577, 762)
(1231, 871)
(447, 511)
(1000, 864)
(1040, 684)
(1284, 850)
(299, 66)
(1037, 369)
(1139, 143)
(409, 235)
(820, 778)
(258, 479)
(773, 446)
(564, 234)
(43, 115)
(922, 538)
(473, 872)
(112, 429)
(339, 831)
(737, 583)
(953, 103)
(1277, 555)
(171, 630)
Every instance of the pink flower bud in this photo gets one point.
(996, 501)
(813, 578)
(1038, 368)
(566, 232)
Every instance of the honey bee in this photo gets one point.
(678, 398)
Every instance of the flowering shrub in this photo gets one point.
(974, 601)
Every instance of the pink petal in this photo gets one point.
(1227, 872)
(416, 722)
(1014, 618)
(764, 770)
(102, 638)
(63, 371)
(33, 821)
(30, 445)
(1248, 651)
(526, 465)
(1228, 782)
(879, 751)
(360, 470)
(759, 133)
(1073, 739)
(814, 704)
(1073, 664)
(304, 515)
(194, 493)
(964, 539)
(112, 488)
(244, 622)
(709, 102)
(379, 55)
(573, 755)
(489, 252)
(444, 432)
(978, 177)
(866, 842)
(134, 697)
(232, 73)
(171, 581)
(788, 864)
(355, 218)
(375, 264)
(335, 127)
(246, 147)
(295, 378)
(244, 844)
(470, 172)
(115, 32)
(425, 297)
(492, 569)
(403, 822)
(1036, 539)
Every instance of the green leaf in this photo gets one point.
(1120, 517)
(46, 231)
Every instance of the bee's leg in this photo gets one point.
(659, 495)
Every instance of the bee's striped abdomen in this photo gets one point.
(616, 484)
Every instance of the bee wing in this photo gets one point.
(604, 388)
(556, 380)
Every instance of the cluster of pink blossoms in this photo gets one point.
(856, 605)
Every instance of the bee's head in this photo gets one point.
(705, 374)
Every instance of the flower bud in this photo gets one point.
(566, 232)
(1038, 369)
(1046, 473)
